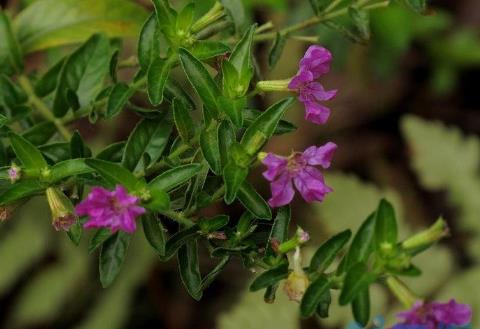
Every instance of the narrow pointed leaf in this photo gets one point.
(114, 174)
(269, 277)
(27, 153)
(155, 233)
(253, 201)
(357, 279)
(175, 177)
(112, 257)
(209, 145)
(157, 78)
(68, 168)
(149, 43)
(313, 296)
(183, 120)
(386, 231)
(279, 231)
(20, 190)
(189, 269)
(361, 307)
(118, 98)
(327, 252)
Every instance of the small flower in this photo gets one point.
(302, 235)
(116, 209)
(14, 173)
(297, 281)
(63, 216)
(314, 64)
(435, 315)
(299, 168)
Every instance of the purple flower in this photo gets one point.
(313, 65)
(116, 209)
(14, 173)
(299, 168)
(434, 315)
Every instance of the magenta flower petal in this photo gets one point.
(432, 315)
(116, 209)
(298, 167)
(311, 185)
(275, 165)
(282, 191)
(320, 155)
(298, 82)
(316, 60)
(316, 113)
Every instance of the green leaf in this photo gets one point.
(11, 96)
(175, 91)
(208, 225)
(175, 177)
(357, 279)
(276, 50)
(361, 307)
(75, 232)
(213, 274)
(324, 305)
(234, 176)
(159, 199)
(233, 108)
(40, 133)
(279, 230)
(51, 23)
(68, 168)
(241, 59)
(31, 158)
(157, 78)
(179, 239)
(78, 149)
(386, 231)
(236, 11)
(226, 138)
(209, 145)
(113, 152)
(185, 17)
(361, 21)
(10, 54)
(166, 16)
(319, 5)
(313, 296)
(56, 152)
(20, 190)
(112, 256)
(48, 82)
(189, 269)
(183, 121)
(327, 252)
(149, 42)
(205, 49)
(115, 174)
(82, 75)
(155, 233)
(146, 144)
(362, 244)
(283, 127)
(253, 201)
(98, 239)
(118, 98)
(264, 125)
(270, 277)
(200, 79)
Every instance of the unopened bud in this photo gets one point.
(426, 238)
(273, 85)
(63, 216)
(301, 237)
(14, 173)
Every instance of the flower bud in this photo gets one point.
(300, 238)
(273, 85)
(7, 211)
(14, 173)
(426, 238)
(401, 291)
(63, 216)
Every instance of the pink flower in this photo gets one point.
(314, 64)
(299, 168)
(432, 315)
(14, 173)
(116, 209)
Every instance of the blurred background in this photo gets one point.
(407, 123)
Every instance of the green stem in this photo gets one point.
(316, 20)
(42, 108)
(178, 217)
(163, 163)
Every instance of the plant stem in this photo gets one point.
(178, 217)
(161, 164)
(317, 19)
(41, 107)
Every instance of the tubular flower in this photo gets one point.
(63, 216)
(115, 209)
(299, 168)
(435, 316)
(313, 65)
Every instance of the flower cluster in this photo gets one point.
(298, 168)
(435, 316)
(313, 65)
(115, 209)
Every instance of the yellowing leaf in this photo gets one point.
(50, 23)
